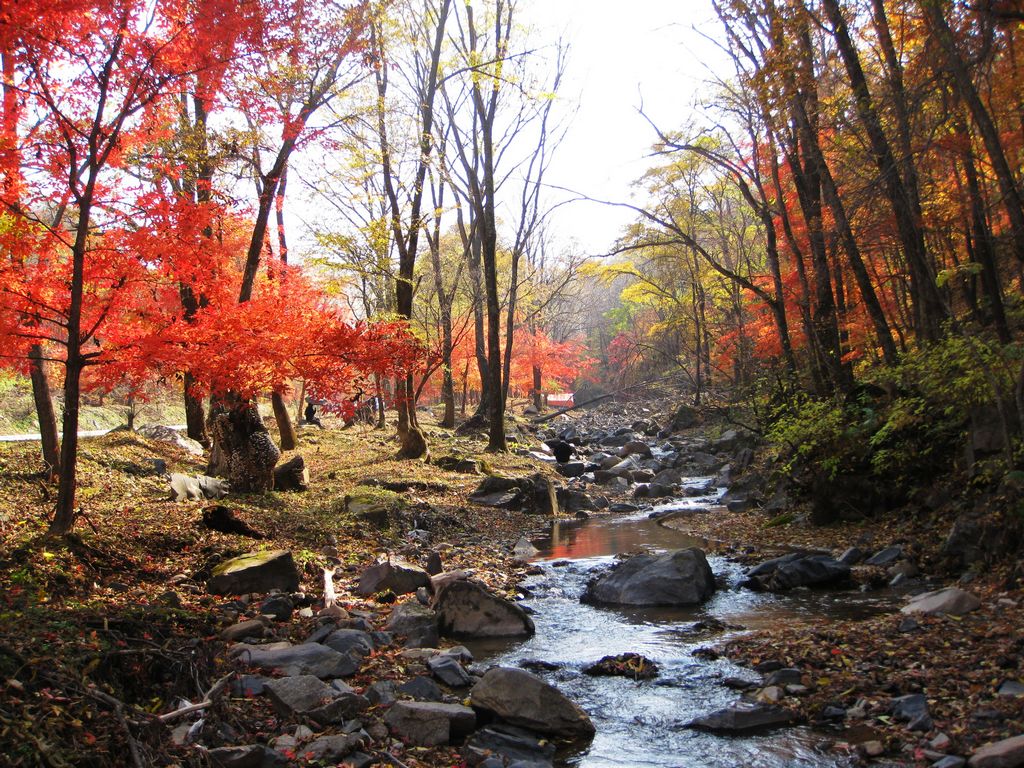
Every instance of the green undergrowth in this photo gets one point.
(905, 427)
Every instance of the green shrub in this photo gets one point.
(904, 428)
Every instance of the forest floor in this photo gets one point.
(100, 631)
(116, 612)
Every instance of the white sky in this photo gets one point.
(621, 53)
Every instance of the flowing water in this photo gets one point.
(641, 723)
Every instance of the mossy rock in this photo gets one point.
(255, 572)
(374, 506)
(461, 464)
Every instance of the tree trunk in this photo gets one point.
(381, 419)
(413, 443)
(444, 303)
(929, 308)
(983, 250)
(479, 335)
(242, 448)
(860, 271)
(300, 404)
(285, 427)
(1013, 200)
(195, 419)
(64, 514)
(44, 410)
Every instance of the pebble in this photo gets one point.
(941, 742)
(873, 748)
(1011, 688)
(772, 694)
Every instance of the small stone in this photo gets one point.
(248, 685)
(873, 748)
(912, 709)
(738, 683)
(247, 756)
(785, 676)
(950, 761)
(770, 695)
(278, 606)
(381, 692)
(179, 736)
(421, 689)
(255, 572)
(941, 742)
(397, 576)
(908, 624)
(354, 642)
(434, 565)
(298, 694)
(885, 556)
(417, 623)
(1012, 688)
(243, 630)
(449, 671)
(332, 748)
(343, 707)
(285, 743)
(742, 716)
(852, 556)
(953, 601)
(309, 658)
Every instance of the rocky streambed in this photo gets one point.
(609, 656)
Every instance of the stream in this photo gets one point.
(641, 723)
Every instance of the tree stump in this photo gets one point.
(243, 449)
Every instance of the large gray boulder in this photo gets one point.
(170, 435)
(520, 698)
(797, 569)
(744, 716)
(533, 494)
(466, 609)
(298, 694)
(953, 601)
(398, 576)
(429, 723)
(682, 577)
(516, 746)
(305, 659)
(255, 572)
